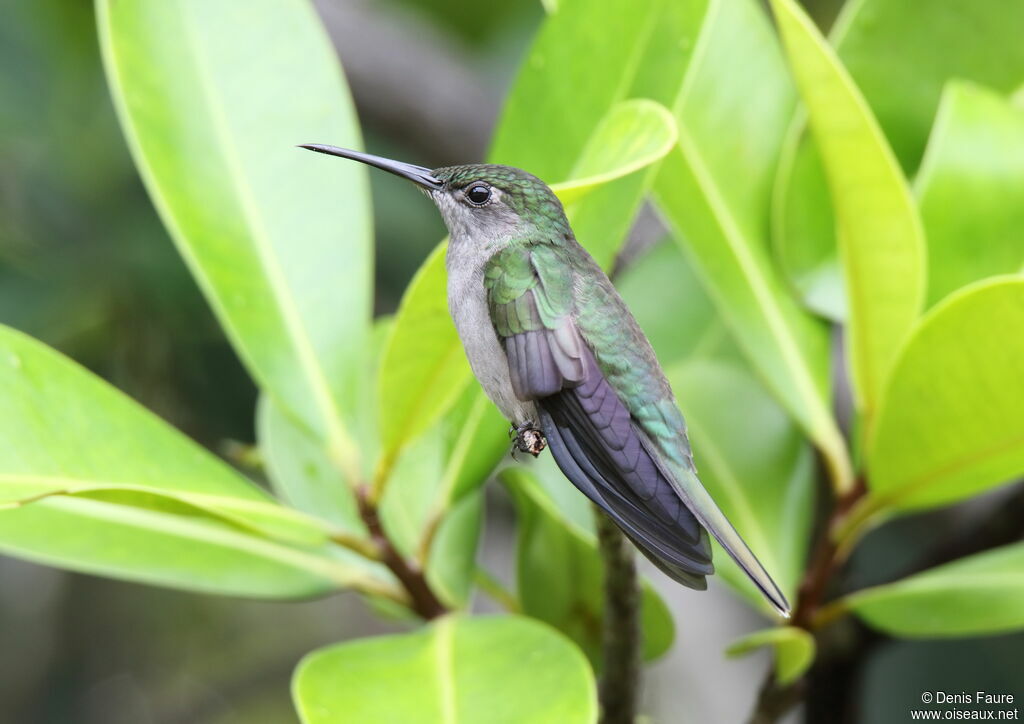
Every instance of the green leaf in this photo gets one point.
(495, 669)
(190, 553)
(756, 465)
(714, 192)
(445, 466)
(300, 471)
(665, 295)
(794, 650)
(980, 594)
(147, 502)
(951, 423)
(452, 562)
(879, 229)
(587, 58)
(479, 439)
(634, 134)
(66, 432)
(278, 240)
(971, 189)
(900, 55)
(424, 369)
(560, 574)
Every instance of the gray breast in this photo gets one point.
(467, 302)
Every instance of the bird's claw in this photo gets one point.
(529, 438)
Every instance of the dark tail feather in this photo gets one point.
(626, 483)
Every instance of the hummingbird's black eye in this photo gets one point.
(479, 194)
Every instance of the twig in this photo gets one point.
(411, 576)
(774, 701)
(619, 690)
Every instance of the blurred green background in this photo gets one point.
(86, 267)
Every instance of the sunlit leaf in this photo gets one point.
(424, 369)
(951, 423)
(192, 553)
(560, 574)
(148, 503)
(586, 58)
(499, 669)
(633, 134)
(278, 239)
(971, 189)
(301, 472)
(794, 650)
(880, 232)
(981, 594)
(452, 560)
(713, 188)
(900, 55)
(431, 508)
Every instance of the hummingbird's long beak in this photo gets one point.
(417, 174)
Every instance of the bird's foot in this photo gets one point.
(529, 438)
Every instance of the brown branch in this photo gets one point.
(825, 561)
(619, 689)
(774, 701)
(422, 598)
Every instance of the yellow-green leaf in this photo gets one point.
(971, 189)
(633, 134)
(794, 650)
(213, 97)
(951, 424)
(881, 240)
(974, 596)
(500, 670)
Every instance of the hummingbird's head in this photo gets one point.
(480, 203)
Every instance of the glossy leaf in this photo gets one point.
(981, 594)
(496, 669)
(900, 55)
(560, 574)
(479, 438)
(794, 650)
(756, 465)
(183, 551)
(587, 58)
(452, 561)
(424, 369)
(713, 189)
(881, 238)
(300, 470)
(665, 295)
(951, 423)
(634, 134)
(278, 240)
(108, 442)
(971, 189)
(148, 504)
(431, 509)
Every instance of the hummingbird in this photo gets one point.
(557, 350)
